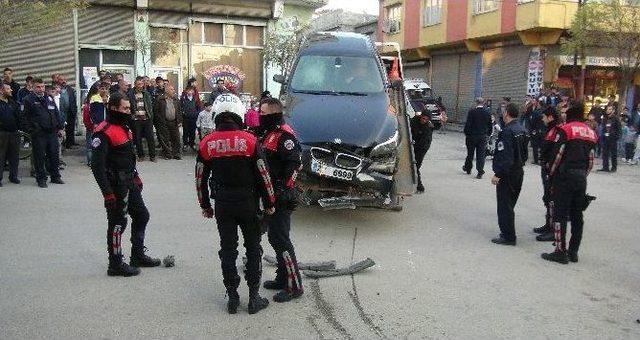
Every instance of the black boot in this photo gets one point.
(256, 302)
(140, 259)
(556, 256)
(117, 267)
(542, 230)
(420, 188)
(573, 256)
(234, 301)
(286, 295)
(546, 237)
(274, 285)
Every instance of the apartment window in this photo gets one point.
(482, 6)
(394, 17)
(432, 12)
(525, 1)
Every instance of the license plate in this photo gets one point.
(324, 170)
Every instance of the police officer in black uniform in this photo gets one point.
(509, 158)
(231, 169)
(572, 162)
(113, 164)
(284, 157)
(422, 134)
(550, 118)
(44, 123)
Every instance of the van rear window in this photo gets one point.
(337, 74)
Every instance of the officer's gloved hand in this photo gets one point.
(137, 181)
(110, 202)
(289, 198)
(207, 212)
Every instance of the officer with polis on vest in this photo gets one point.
(508, 160)
(113, 162)
(44, 124)
(283, 154)
(550, 118)
(573, 156)
(231, 169)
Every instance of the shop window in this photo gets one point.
(213, 33)
(117, 57)
(233, 35)
(195, 33)
(255, 36)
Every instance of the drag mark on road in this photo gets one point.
(356, 300)
(311, 319)
(326, 310)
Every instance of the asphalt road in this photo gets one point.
(437, 273)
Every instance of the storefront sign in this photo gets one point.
(591, 61)
(230, 74)
(535, 72)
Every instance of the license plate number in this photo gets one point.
(329, 171)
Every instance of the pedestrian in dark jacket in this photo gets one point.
(8, 79)
(190, 110)
(68, 108)
(9, 137)
(168, 119)
(142, 118)
(476, 130)
(536, 131)
(612, 130)
(422, 134)
(23, 92)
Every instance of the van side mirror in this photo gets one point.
(278, 78)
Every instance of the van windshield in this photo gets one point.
(337, 74)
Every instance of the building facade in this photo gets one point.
(491, 48)
(205, 39)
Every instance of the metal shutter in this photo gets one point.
(416, 71)
(453, 79)
(505, 73)
(168, 18)
(42, 54)
(102, 25)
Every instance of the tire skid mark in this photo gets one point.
(362, 314)
(356, 300)
(327, 310)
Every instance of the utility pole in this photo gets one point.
(583, 64)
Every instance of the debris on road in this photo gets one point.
(352, 269)
(169, 261)
(318, 266)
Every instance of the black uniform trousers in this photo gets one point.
(280, 239)
(536, 143)
(9, 152)
(189, 132)
(547, 199)
(477, 145)
(70, 129)
(128, 201)
(229, 216)
(420, 153)
(610, 153)
(569, 191)
(507, 193)
(144, 129)
(46, 155)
